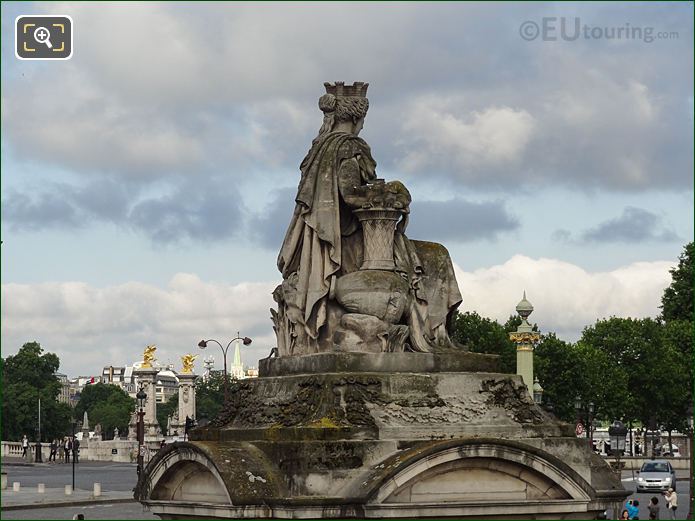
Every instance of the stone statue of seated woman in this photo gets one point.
(352, 280)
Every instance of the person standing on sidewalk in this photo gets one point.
(67, 447)
(25, 446)
(653, 507)
(671, 502)
(75, 450)
(54, 450)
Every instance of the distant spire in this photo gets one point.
(237, 353)
(237, 369)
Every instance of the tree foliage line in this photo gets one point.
(639, 370)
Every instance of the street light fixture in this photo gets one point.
(537, 391)
(204, 343)
(588, 414)
(617, 433)
(141, 397)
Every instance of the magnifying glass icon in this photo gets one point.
(43, 35)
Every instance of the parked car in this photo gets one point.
(656, 475)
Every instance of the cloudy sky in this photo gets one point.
(148, 181)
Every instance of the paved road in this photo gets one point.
(682, 487)
(112, 476)
(116, 511)
(122, 477)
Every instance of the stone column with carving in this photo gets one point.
(525, 339)
(186, 397)
(147, 378)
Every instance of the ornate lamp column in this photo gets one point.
(147, 378)
(187, 389)
(525, 339)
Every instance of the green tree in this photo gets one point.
(106, 404)
(26, 377)
(558, 366)
(603, 383)
(650, 354)
(164, 410)
(483, 335)
(677, 300)
(209, 396)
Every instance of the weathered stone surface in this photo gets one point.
(382, 445)
(379, 362)
(370, 410)
(382, 294)
(348, 225)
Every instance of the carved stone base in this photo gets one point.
(379, 363)
(393, 445)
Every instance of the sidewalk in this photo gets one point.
(21, 462)
(55, 497)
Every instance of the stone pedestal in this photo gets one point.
(187, 396)
(147, 378)
(381, 440)
(186, 403)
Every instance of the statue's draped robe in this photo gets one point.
(324, 240)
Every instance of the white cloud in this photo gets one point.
(437, 134)
(566, 298)
(90, 327)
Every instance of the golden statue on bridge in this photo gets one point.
(187, 361)
(148, 356)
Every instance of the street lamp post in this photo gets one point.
(204, 343)
(37, 456)
(73, 422)
(590, 425)
(691, 435)
(141, 397)
(587, 413)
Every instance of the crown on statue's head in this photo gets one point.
(339, 89)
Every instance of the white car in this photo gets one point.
(656, 475)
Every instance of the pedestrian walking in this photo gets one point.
(25, 446)
(67, 447)
(653, 508)
(75, 450)
(671, 502)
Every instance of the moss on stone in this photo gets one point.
(324, 423)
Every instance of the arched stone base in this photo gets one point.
(381, 445)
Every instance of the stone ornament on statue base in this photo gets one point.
(370, 410)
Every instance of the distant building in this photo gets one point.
(126, 378)
(236, 369)
(166, 386)
(64, 396)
